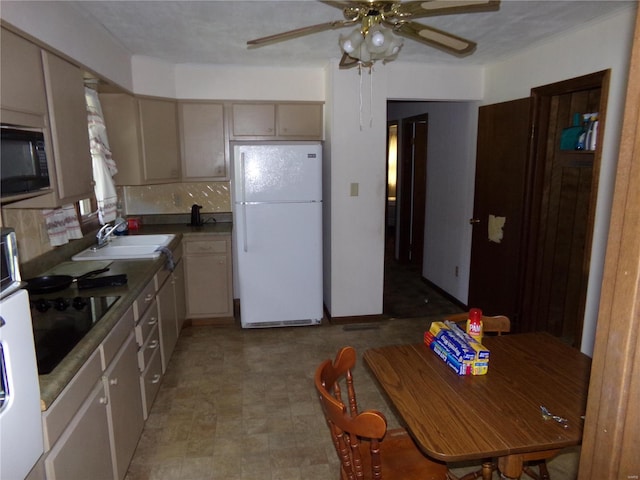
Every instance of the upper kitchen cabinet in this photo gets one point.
(159, 129)
(69, 135)
(202, 135)
(277, 121)
(143, 136)
(299, 120)
(22, 93)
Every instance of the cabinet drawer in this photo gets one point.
(206, 246)
(150, 382)
(144, 300)
(149, 348)
(116, 338)
(146, 324)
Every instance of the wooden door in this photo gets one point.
(501, 167)
(412, 192)
(564, 190)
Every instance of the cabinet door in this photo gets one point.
(68, 118)
(21, 77)
(83, 450)
(300, 120)
(254, 119)
(122, 119)
(168, 323)
(208, 279)
(125, 405)
(203, 141)
(159, 131)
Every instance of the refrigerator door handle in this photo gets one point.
(244, 204)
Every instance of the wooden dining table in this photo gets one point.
(497, 415)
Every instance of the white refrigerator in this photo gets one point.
(277, 195)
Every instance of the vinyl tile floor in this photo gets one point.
(240, 404)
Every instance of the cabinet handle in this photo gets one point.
(103, 401)
(153, 345)
(244, 203)
(474, 220)
(148, 298)
(152, 321)
(156, 378)
(113, 381)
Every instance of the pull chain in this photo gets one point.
(360, 66)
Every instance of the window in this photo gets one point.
(88, 214)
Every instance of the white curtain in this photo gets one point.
(103, 165)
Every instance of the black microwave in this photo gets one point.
(23, 167)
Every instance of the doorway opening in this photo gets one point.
(406, 293)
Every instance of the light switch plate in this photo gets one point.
(354, 189)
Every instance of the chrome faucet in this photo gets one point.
(105, 232)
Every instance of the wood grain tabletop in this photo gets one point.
(456, 418)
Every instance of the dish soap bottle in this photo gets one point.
(474, 324)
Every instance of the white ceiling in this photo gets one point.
(216, 32)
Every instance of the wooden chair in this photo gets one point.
(497, 325)
(366, 449)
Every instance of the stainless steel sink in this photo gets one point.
(132, 247)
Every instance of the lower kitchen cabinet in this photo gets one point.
(208, 280)
(168, 322)
(83, 449)
(178, 290)
(92, 428)
(124, 409)
(150, 381)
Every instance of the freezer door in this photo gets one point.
(277, 173)
(280, 264)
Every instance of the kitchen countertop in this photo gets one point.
(139, 274)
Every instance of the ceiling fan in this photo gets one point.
(376, 22)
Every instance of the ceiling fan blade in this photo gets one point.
(431, 8)
(348, 62)
(298, 32)
(436, 38)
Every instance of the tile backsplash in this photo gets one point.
(31, 231)
(215, 197)
(174, 198)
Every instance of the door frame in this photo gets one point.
(411, 208)
(536, 173)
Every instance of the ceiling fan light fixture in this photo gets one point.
(376, 43)
(377, 38)
(351, 43)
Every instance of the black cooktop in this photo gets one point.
(59, 323)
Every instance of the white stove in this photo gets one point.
(21, 439)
